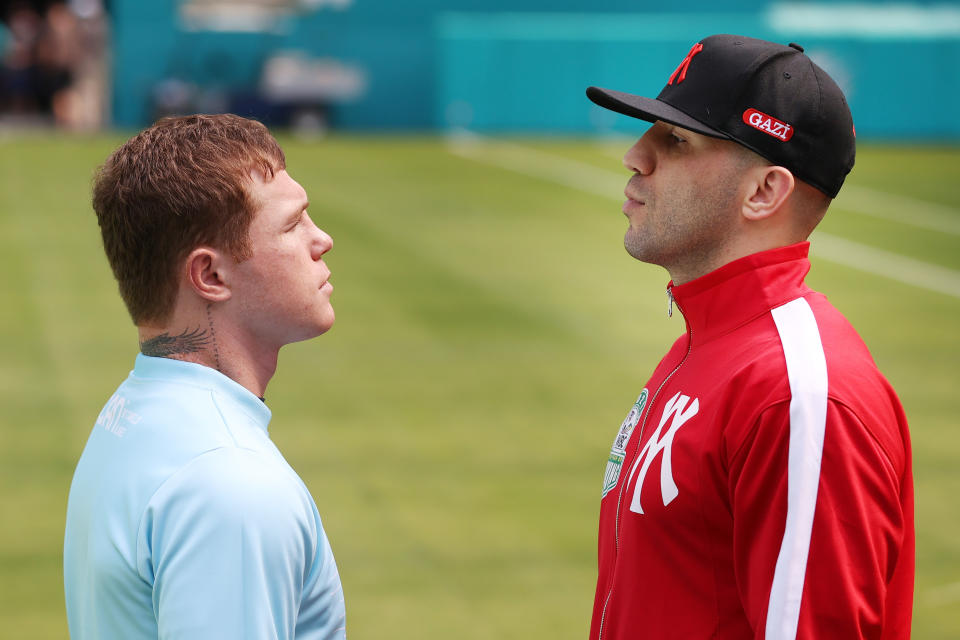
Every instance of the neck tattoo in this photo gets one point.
(213, 337)
(165, 345)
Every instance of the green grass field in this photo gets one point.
(491, 334)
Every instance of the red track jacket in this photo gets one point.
(761, 486)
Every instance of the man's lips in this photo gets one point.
(632, 191)
(634, 196)
(632, 203)
(635, 204)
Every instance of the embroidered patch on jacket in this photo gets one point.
(619, 448)
(678, 412)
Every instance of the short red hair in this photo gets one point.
(180, 184)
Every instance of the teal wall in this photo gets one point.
(149, 46)
(494, 76)
(440, 63)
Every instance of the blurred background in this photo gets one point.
(491, 332)
(490, 65)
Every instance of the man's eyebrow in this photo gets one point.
(301, 207)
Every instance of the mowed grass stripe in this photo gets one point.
(903, 210)
(588, 178)
(887, 264)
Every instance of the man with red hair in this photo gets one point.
(184, 520)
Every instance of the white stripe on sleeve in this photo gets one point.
(807, 372)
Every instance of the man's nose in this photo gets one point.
(322, 243)
(638, 158)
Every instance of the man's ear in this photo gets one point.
(770, 187)
(205, 270)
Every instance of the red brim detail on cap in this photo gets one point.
(649, 110)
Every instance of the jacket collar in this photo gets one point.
(198, 375)
(734, 294)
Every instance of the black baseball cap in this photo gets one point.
(770, 98)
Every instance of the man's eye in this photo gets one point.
(676, 139)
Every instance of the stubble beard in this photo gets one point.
(688, 231)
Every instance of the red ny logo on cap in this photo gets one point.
(682, 69)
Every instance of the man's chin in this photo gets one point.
(327, 322)
(325, 325)
(314, 330)
(635, 247)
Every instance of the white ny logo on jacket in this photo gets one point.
(676, 407)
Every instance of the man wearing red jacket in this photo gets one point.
(761, 485)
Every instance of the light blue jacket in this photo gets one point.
(185, 521)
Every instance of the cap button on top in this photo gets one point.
(796, 46)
